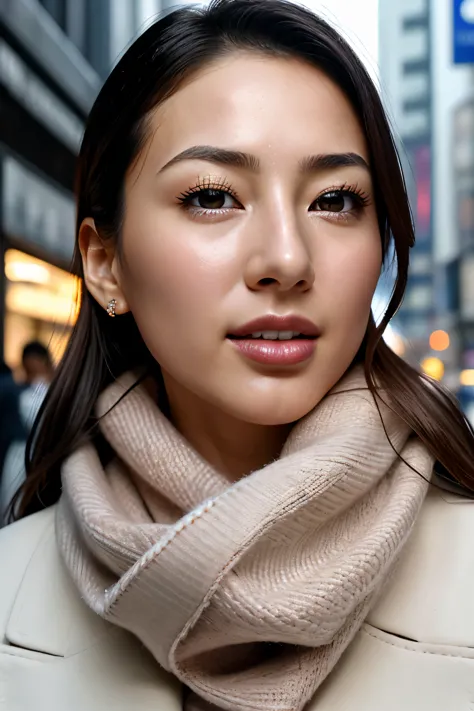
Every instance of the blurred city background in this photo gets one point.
(54, 55)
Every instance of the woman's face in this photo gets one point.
(252, 200)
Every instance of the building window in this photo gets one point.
(76, 23)
(421, 104)
(416, 66)
(97, 35)
(57, 10)
(416, 22)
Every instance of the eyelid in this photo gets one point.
(354, 189)
(362, 199)
(209, 183)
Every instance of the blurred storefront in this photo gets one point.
(37, 220)
(37, 239)
(37, 293)
(45, 93)
(54, 55)
(39, 305)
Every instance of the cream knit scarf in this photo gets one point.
(248, 593)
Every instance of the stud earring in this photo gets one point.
(111, 308)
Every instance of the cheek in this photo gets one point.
(162, 285)
(354, 276)
(172, 283)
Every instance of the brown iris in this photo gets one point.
(211, 199)
(331, 202)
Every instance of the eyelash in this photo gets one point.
(360, 197)
(206, 184)
(347, 189)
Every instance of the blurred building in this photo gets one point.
(406, 82)
(430, 98)
(54, 55)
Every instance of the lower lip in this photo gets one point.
(276, 352)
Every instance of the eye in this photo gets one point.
(210, 199)
(336, 201)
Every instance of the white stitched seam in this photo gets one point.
(400, 645)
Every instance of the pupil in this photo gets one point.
(211, 199)
(332, 202)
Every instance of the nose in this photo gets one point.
(280, 260)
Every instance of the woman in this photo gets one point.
(225, 472)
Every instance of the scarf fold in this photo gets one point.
(250, 592)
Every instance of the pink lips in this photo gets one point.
(276, 352)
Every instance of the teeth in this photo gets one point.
(275, 335)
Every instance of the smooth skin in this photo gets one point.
(284, 230)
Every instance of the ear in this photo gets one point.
(100, 268)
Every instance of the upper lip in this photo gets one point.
(273, 322)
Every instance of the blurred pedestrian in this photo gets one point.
(11, 426)
(37, 363)
(38, 368)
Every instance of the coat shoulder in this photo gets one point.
(416, 649)
(18, 543)
(55, 653)
(429, 597)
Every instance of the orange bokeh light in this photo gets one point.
(439, 340)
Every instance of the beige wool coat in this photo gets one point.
(414, 653)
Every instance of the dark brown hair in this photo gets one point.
(154, 67)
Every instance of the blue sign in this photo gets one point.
(463, 31)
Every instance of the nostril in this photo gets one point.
(267, 281)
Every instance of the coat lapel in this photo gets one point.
(48, 614)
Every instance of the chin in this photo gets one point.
(271, 412)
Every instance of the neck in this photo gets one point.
(233, 447)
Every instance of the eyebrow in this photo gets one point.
(221, 156)
(314, 164)
(246, 161)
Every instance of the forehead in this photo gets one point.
(272, 106)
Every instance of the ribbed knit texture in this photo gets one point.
(248, 593)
